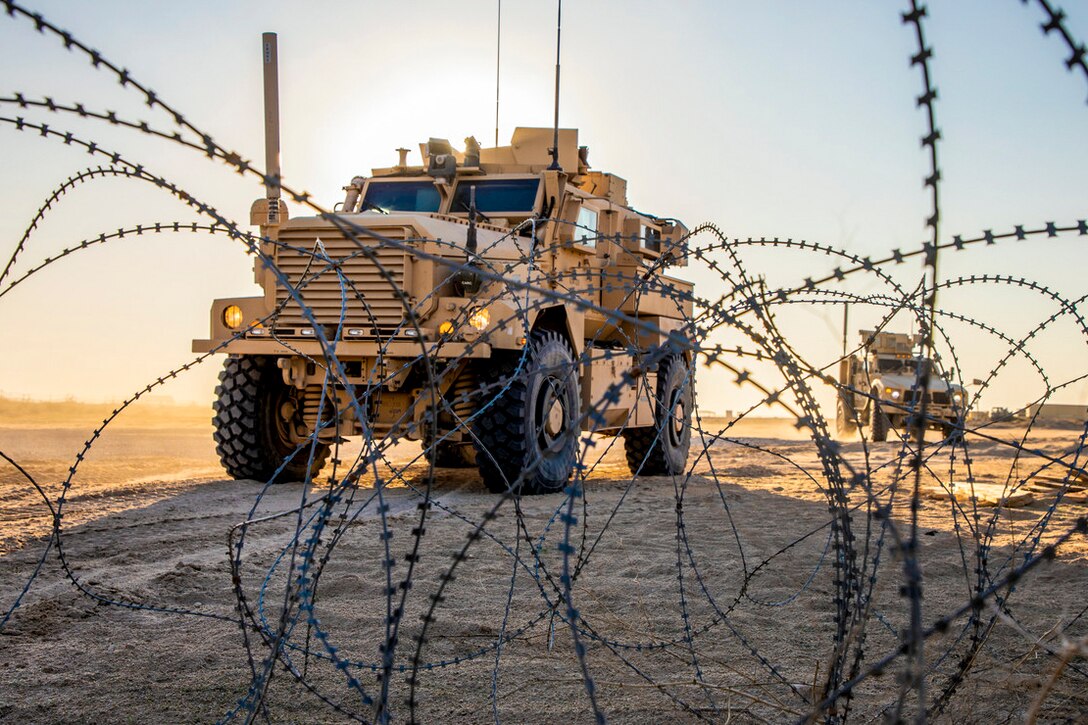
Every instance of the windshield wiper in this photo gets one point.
(466, 207)
(371, 205)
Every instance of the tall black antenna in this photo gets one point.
(555, 138)
(498, 58)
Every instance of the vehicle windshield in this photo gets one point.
(496, 195)
(400, 196)
(893, 365)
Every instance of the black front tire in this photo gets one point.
(256, 419)
(527, 438)
(663, 449)
(953, 431)
(879, 423)
(446, 454)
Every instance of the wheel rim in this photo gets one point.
(678, 416)
(551, 413)
(285, 417)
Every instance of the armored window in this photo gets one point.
(651, 238)
(400, 196)
(586, 230)
(511, 196)
(890, 365)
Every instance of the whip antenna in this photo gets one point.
(271, 126)
(498, 58)
(555, 138)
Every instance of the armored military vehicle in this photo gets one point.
(885, 391)
(493, 303)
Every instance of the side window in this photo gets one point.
(651, 238)
(586, 231)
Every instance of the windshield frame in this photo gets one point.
(457, 209)
(897, 365)
(367, 204)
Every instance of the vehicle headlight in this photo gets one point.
(893, 393)
(232, 317)
(480, 319)
(957, 397)
(446, 328)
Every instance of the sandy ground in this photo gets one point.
(154, 637)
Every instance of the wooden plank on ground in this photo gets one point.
(983, 494)
(1072, 495)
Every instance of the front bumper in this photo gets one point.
(346, 348)
(935, 412)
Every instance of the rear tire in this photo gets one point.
(255, 414)
(533, 423)
(663, 449)
(845, 422)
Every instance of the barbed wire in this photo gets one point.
(579, 371)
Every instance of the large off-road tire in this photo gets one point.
(663, 449)
(879, 422)
(953, 431)
(450, 454)
(527, 438)
(846, 423)
(256, 419)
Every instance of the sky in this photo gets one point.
(770, 119)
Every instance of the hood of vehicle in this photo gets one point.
(906, 382)
(492, 242)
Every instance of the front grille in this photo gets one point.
(370, 299)
(911, 399)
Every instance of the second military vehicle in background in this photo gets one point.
(880, 388)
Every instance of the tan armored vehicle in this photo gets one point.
(493, 303)
(888, 372)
